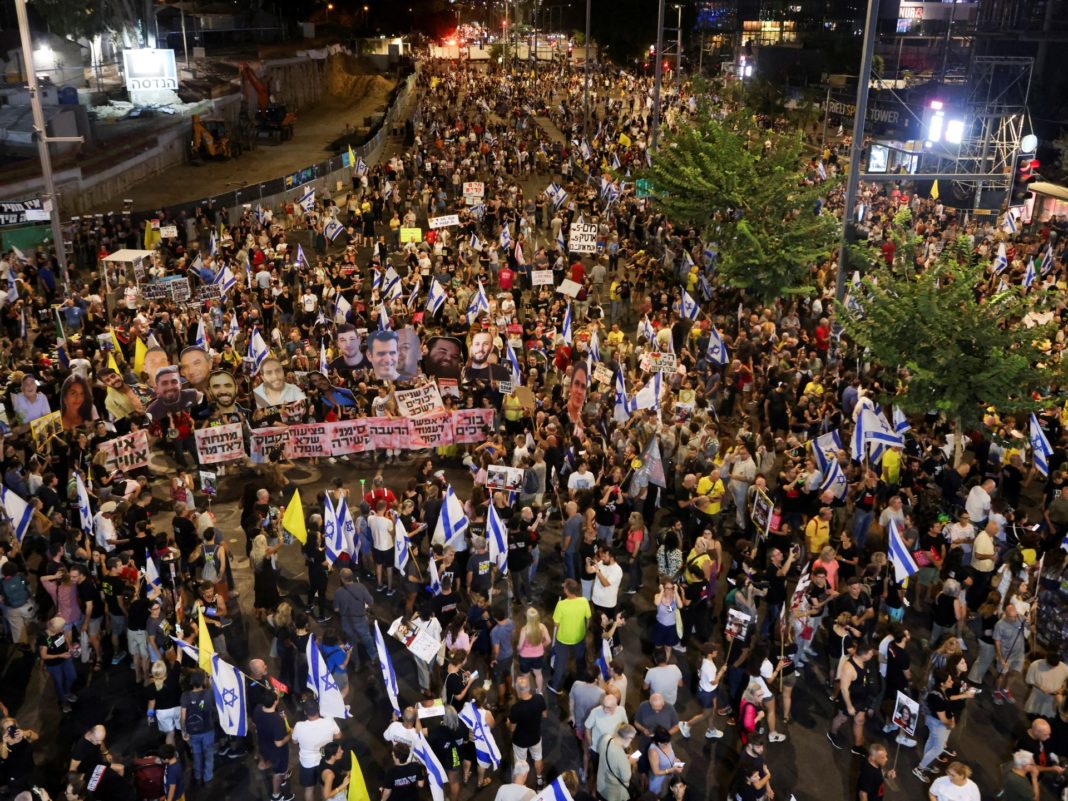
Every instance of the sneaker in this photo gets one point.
(908, 742)
(684, 729)
(834, 741)
(921, 775)
(285, 795)
(713, 733)
(224, 750)
(117, 659)
(679, 649)
(553, 689)
(889, 728)
(776, 737)
(66, 708)
(70, 699)
(856, 749)
(631, 592)
(238, 753)
(1008, 696)
(323, 619)
(999, 698)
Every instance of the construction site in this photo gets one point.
(237, 121)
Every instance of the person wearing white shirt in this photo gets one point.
(607, 578)
(104, 528)
(664, 678)
(956, 785)
(403, 730)
(310, 736)
(382, 541)
(30, 404)
(978, 502)
(581, 479)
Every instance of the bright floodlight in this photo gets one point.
(1029, 144)
(955, 131)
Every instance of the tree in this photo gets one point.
(86, 20)
(962, 349)
(744, 188)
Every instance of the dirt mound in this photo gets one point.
(348, 77)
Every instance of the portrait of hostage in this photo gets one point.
(275, 391)
(76, 402)
(409, 353)
(222, 394)
(155, 360)
(480, 364)
(170, 397)
(195, 366)
(444, 357)
(348, 344)
(121, 400)
(383, 348)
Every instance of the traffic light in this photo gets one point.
(1026, 174)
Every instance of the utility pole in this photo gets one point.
(40, 132)
(678, 48)
(857, 149)
(586, 79)
(659, 72)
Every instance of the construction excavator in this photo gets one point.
(211, 140)
(273, 120)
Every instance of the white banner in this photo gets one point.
(541, 278)
(474, 189)
(419, 401)
(582, 238)
(127, 453)
(220, 443)
(444, 221)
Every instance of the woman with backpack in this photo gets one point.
(214, 557)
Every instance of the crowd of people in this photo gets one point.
(659, 462)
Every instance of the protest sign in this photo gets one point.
(475, 190)
(761, 512)
(525, 396)
(685, 405)
(569, 288)
(444, 221)
(308, 441)
(448, 386)
(415, 639)
(582, 238)
(350, 436)
(662, 362)
(208, 292)
(502, 477)
(209, 482)
(265, 440)
(541, 278)
(46, 427)
(217, 444)
(169, 231)
(419, 401)
(737, 624)
(388, 432)
(127, 453)
(470, 425)
(430, 431)
(601, 374)
(906, 714)
(411, 234)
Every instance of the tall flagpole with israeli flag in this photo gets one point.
(389, 675)
(322, 683)
(1040, 449)
(498, 540)
(688, 307)
(401, 545)
(257, 351)
(565, 330)
(433, 586)
(85, 511)
(452, 522)
(717, 351)
(18, 512)
(904, 565)
(436, 297)
(513, 362)
(345, 524)
(435, 773)
(623, 408)
(332, 534)
(835, 480)
(228, 687)
(202, 338)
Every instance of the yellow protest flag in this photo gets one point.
(624, 140)
(204, 642)
(357, 786)
(293, 519)
(139, 356)
(934, 190)
(352, 159)
(114, 365)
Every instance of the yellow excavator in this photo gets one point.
(211, 139)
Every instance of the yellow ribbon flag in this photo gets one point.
(114, 365)
(352, 159)
(934, 190)
(624, 140)
(204, 642)
(139, 356)
(293, 519)
(357, 786)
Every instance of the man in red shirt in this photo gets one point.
(505, 277)
(380, 492)
(578, 272)
(823, 336)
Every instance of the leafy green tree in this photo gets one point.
(744, 187)
(961, 349)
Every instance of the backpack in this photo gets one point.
(148, 773)
(197, 718)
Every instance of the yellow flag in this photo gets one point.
(357, 786)
(204, 642)
(139, 356)
(293, 519)
(352, 159)
(624, 140)
(934, 190)
(114, 365)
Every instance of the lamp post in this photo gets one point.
(659, 72)
(586, 78)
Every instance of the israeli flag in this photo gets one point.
(332, 230)
(452, 522)
(1029, 274)
(387, 190)
(189, 650)
(1008, 225)
(18, 512)
(213, 245)
(341, 309)
(383, 318)
(835, 480)
(517, 374)
(479, 303)
(1040, 449)
(361, 166)
(561, 243)
(584, 150)
(302, 260)
(434, 585)
(202, 338)
(485, 746)
(436, 298)
(901, 423)
(821, 171)
(476, 243)
(151, 571)
(198, 265)
(322, 683)
(556, 791)
(345, 524)
(225, 280)
(1001, 260)
(228, 687)
(1047, 260)
(688, 307)
(595, 346)
(645, 328)
(233, 330)
(389, 675)
(648, 396)
(623, 408)
(422, 751)
(257, 351)
(335, 542)
(85, 511)
(566, 332)
(615, 161)
(717, 351)
(604, 658)
(900, 558)
(393, 287)
(401, 549)
(307, 200)
(478, 211)
(506, 238)
(498, 540)
(825, 448)
(520, 259)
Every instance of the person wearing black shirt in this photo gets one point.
(941, 719)
(137, 633)
(164, 695)
(92, 608)
(446, 604)
(870, 782)
(90, 751)
(775, 576)
(113, 588)
(448, 740)
(404, 779)
(524, 722)
(520, 558)
(856, 601)
(315, 558)
(272, 737)
(54, 651)
(185, 534)
(16, 765)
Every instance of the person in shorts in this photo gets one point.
(273, 738)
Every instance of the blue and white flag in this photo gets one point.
(433, 586)
(213, 245)
(506, 238)
(825, 449)
(307, 200)
(302, 260)
(401, 545)
(688, 307)
(361, 166)
(476, 243)
(1001, 260)
(565, 330)
(18, 511)
(872, 428)
(584, 150)
(389, 675)
(648, 396)
(322, 683)
(821, 171)
(225, 280)
(332, 230)
(901, 423)
(324, 365)
(1040, 449)
(486, 749)
(556, 791)
(392, 287)
(1047, 260)
(186, 648)
(604, 658)
(615, 161)
(151, 572)
(834, 479)
(257, 351)
(435, 773)
(497, 535)
(452, 522)
(717, 351)
(201, 340)
(1029, 274)
(347, 527)
(623, 408)
(561, 243)
(341, 309)
(478, 304)
(233, 330)
(900, 558)
(1008, 225)
(332, 536)
(85, 511)
(595, 346)
(513, 362)
(645, 329)
(436, 298)
(383, 318)
(228, 687)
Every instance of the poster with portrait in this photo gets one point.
(481, 368)
(409, 353)
(76, 402)
(502, 477)
(685, 405)
(737, 624)
(383, 351)
(906, 714)
(760, 514)
(445, 357)
(209, 482)
(576, 394)
(349, 343)
(194, 365)
(44, 428)
(415, 639)
(171, 397)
